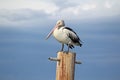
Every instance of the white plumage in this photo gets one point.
(65, 35)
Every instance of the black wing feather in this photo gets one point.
(70, 29)
(74, 39)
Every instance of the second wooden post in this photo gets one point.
(66, 66)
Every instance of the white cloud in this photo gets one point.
(89, 6)
(52, 9)
(88, 9)
(29, 4)
(108, 5)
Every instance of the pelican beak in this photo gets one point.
(51, 32)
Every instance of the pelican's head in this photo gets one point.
(59, 24)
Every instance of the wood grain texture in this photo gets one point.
(66, 66)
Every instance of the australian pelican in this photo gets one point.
(65, 35)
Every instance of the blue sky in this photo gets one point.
(24, 24)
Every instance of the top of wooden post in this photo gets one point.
(65, 53)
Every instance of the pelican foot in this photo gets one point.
(59, 51)
(65, 52)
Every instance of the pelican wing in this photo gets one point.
(71, 34)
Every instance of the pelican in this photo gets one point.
(65, 35)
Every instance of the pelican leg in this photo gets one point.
(62, 47)
(68, 48)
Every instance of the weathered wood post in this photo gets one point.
(65, 65)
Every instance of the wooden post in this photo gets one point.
(65, 65)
